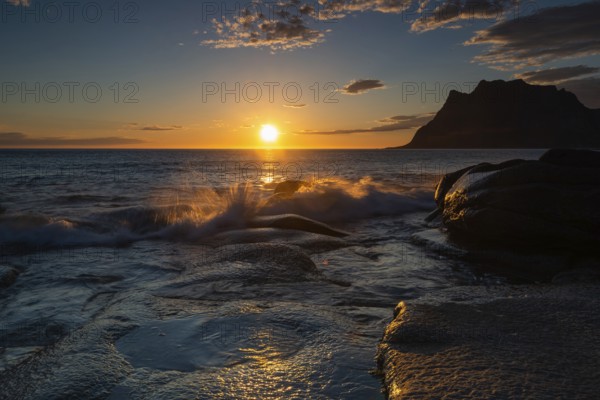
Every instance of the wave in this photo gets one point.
(211, 211)
(41, 232)
(88, 198)
(344, 201)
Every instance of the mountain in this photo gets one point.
(513, 114)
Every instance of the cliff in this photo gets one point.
(513, 114)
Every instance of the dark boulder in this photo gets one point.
(450, 179)
(289, 187)
(572, 158)
(549, 205)
(8, 276)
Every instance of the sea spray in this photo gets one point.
(341, 200)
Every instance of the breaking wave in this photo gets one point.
(210, 211)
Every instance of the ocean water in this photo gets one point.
(145, 274)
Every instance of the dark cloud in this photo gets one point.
(17, 139)
(523, 36)
(547, 35)
(555, 75)
(451, 13)
(362, 85)
(290, 24)
(387, 6)
(339, 8)
(587, 90)
(414, 120)
(158, 128)
(294, 105)
(281, 31)
(391, 124)
(161, 128)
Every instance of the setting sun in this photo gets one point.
(269, 133)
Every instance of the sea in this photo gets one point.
(159, 274)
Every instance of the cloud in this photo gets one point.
(450, 13)
(218, 123)
(587, 90)
(291, 24)
(391, 124)
(329, 9)
(161, 128)
(25, 3)
(294, 105)
(360, 86)
(555, 75)
(251, 28)
(15, 139)
(547, 35)
(288, 24)
(408, 121)
(158, 128)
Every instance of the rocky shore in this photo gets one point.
(529, 341)
(539, 340)
(534, 217)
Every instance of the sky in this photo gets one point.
(325, 73)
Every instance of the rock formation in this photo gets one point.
(546, 204)
(501, 342)
(514, 114)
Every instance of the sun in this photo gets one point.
(269, 133)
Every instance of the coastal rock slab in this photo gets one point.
(500, 342)
(244, 269)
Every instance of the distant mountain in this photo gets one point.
(513, 114)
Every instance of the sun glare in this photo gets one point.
(269, 133)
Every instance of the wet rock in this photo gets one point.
(290, 259)
(311, 242)
(494, 342)
(296, 222)
(450, 179)
(578, 275)
(238, 268)
(548, 205)
(98, 279)
(289, 187)
(83, 363)
(8, 276)
(572, 158)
